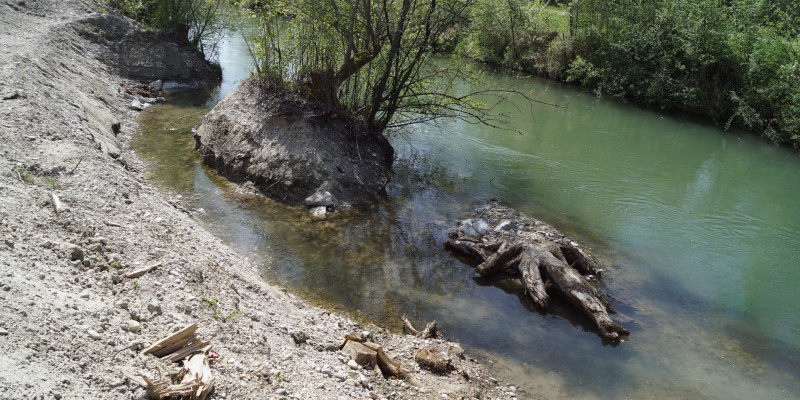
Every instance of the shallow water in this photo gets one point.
(699, 229)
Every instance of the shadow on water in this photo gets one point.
(675, 210)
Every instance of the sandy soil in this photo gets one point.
(67, 321)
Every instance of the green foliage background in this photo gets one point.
(734, 61)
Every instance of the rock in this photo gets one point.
(331, 346)
(456, 351)
(340, 376)
(433, 359)
(366, 334)
(137, 106)
(84, 295)
(505, 225)
(94, 334)
(299, 337)
(481, 226)
(3, 332)
(77, 253)
(134, 326)
(148, 100)
(156, 84)
(319, 198)
(466, 227)
(121, 304)
(9, 243)
(373, 395)
(154, 307)
(47, 244)
(319, 213)
(281, 392)
(352, 364)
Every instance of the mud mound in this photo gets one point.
(291, 148)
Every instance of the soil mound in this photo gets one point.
(145, 56)
(290, 147)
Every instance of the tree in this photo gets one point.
(196, 20)
(367, 57)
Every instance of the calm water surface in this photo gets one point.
(700, 230)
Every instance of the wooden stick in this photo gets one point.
(199, 346)
(58, 206)
(183, 333)
(141, 271)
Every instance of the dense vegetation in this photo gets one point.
(366, 57)
(196, 20)
(735, 61)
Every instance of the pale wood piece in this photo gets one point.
(163, 343)
(141, 271)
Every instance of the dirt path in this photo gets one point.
(68, 325)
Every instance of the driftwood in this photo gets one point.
(194, 381)
(539, 256)
(58, 206)
(430, 331)
(141, 271)
(368, 353)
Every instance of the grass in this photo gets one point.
(213, 304)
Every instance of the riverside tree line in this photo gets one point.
(733, 61)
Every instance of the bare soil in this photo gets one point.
(66, 315)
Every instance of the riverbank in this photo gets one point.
(69, 324)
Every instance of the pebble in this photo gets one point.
(121, 304)
(154, 307)
(3, 332)
(352, 364)
(280, 392)
(326, 371)
(299, 337)
(84, 295)
(134, 326)
(77, 253)
(373, 395)
(94, 335)
(340, 376)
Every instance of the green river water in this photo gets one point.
(700, 229)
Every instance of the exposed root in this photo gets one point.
(542, 258)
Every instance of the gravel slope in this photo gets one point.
(67, 321)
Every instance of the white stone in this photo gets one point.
(319, 213)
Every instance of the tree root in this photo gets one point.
(430, 331)
(542, 259)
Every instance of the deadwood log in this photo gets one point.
(532, 277)
(575, 288)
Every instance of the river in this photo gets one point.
(700, 229)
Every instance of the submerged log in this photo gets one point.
(541, 258)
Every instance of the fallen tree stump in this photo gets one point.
(543, 259)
